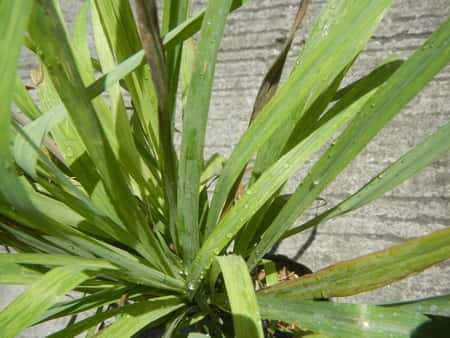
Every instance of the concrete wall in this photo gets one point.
(421, 205)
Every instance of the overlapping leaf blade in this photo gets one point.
(125, 43)
(144, 314)
(42, 294)
(106, 296)
(313, 75)
(135, 317)
(354, 100)
(124, 153)
(194, 127)
(394, 94)
(269, 183)
(44, 29)
(328, 20)
(148, 25)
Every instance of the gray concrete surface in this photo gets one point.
(417, 207)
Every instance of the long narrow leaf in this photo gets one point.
(57, 260)
(194, 127)
(438, 306)
(241, 297)
(175, 12)
(33, 302)
(369, 272)
(12, 28)
(407, 166)
(342, 320)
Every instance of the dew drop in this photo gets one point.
(315, 182)
(191, 287)
(245, 206)
(325, 30)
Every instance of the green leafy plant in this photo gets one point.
(95, 197)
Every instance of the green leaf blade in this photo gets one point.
(42, 294)
(371, 271)
(269, 183)
(407, 166)
(12, 29)
(194, 127)
(393, 94)
(342, 320)
(45, 27)
(438, 306)
(142, 314)
(241, 297)
(314, 74)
